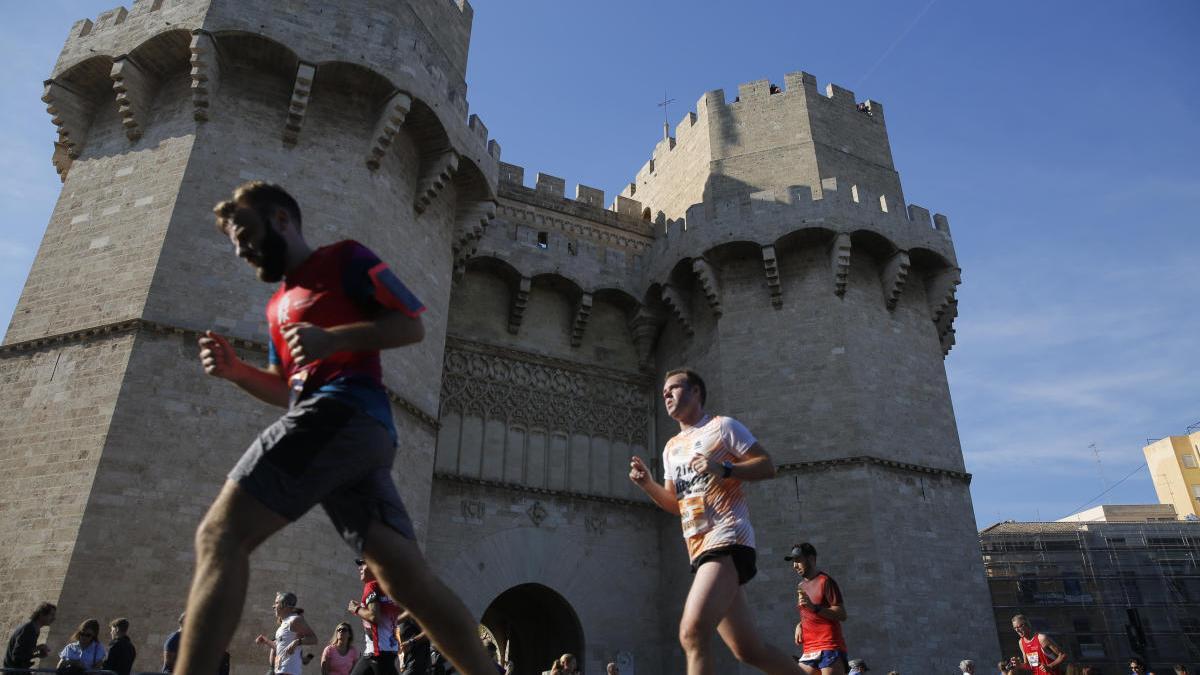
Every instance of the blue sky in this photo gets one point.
(1059, 137)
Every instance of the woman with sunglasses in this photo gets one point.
(340, 654)
(86, 652)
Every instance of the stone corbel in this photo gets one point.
(436, 176)
(895, 273)
(674, 300)
(707, 276)
(61, 160)
(389, 123)
(839, 262)
(945, 327)
(771, 270)
(71, 112)
(134, 89)
(940, 290)
(520, 299)
(643, 328)
(206, 73)
(469, 226)
(579, 324)
(301, 92)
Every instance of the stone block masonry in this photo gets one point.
(767, 243)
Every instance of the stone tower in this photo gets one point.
(114, 443)
(767, 244)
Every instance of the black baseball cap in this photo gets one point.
(800, 550)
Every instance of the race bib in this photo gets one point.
(1033, 659)
(695, 516)
(810, 656)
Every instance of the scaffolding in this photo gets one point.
(1105, 591)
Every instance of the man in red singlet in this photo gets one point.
(1042, 655)
(822, 611)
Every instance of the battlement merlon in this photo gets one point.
(768, 137)
(394, 43)
(550, 191)
(445, 27)
(769, 217)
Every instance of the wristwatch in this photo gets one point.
(728, 466)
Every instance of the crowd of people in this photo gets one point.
(336, 307)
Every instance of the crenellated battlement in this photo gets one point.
(768, 217)
(550, 191)
(768, 137)
(124, 56)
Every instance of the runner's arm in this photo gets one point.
(640, 474)
(368, 612)
(835, 612)
(388, 329)
(265, 384)
(756, 464)
(220, 360)
(1059, 656)
(304, 635)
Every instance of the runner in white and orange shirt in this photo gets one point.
(704, 466)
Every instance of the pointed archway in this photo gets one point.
(534, 625)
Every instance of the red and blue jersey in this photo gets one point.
(338, 284)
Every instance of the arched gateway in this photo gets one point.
(534, 625)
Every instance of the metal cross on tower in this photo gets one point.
(666, 122)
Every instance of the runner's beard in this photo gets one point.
(274, 257)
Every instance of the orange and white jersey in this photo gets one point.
(712, 510)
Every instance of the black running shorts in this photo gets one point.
(326, 452)
(744, 560)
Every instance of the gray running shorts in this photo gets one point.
(326, 452)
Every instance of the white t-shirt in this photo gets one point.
(712, 510)
(284, 636)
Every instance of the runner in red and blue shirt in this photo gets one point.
(336, 307)
(340, 284)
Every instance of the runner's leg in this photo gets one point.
(399, 566)
(234, 526)
(738, 631)
(713, 589)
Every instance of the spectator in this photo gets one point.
(967, 666)
(858, 666)
(120, 651)
(775, 89)
(612, 669)
(23, 646)
(1181, 669)
(415, 655)
(502, 668)
(566, 664)
(171, 647)
(340, 654)
(1137, 666)
(86, 652)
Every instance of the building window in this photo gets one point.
(1196, 491)
(1189, 461)
(543, 240)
